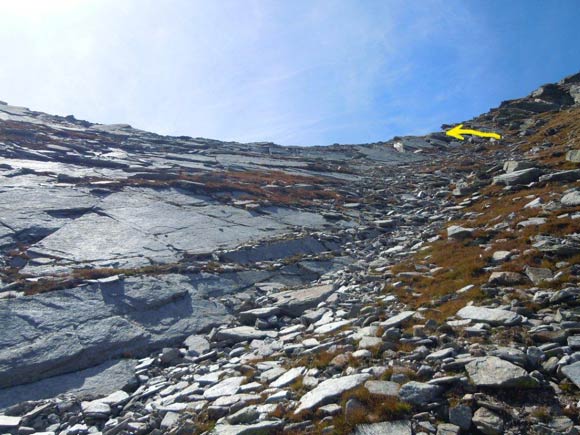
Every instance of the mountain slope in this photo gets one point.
(436, 286)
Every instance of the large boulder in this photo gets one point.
(419, 393)
(295, 302)
(493, 316)
(495, 372)
(571, 199)
(525, 176)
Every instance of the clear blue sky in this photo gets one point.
(297, 72)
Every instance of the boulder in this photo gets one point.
(524, 176)
(457, 232)
(506, 278)
(196, 345)
(488, 422)
(571, 199)
(295, 302)
(419, 393)
(493, 316)
(495, 372)
(538, 274)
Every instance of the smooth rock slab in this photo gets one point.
(493, 316)
(331, 327)
(243, 333)
(288, 378)
(400, 427)
(328, 391)
(495, 372)
(69, 330)
(227, 387)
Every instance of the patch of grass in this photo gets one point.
(374, 409)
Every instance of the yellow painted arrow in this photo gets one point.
(458, 132)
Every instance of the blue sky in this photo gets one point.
(298, 72)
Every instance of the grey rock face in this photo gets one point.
(68, 330)
(492, 371)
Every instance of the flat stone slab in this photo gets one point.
(493, 316)
(295, 302)
(327, 391)
(68, 330)
(398, 319)
(227, 387)
(243, 333)
(249, 317)
(288, 378)
(400, 427)
(495, 372)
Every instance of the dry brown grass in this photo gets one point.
(374, 409)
